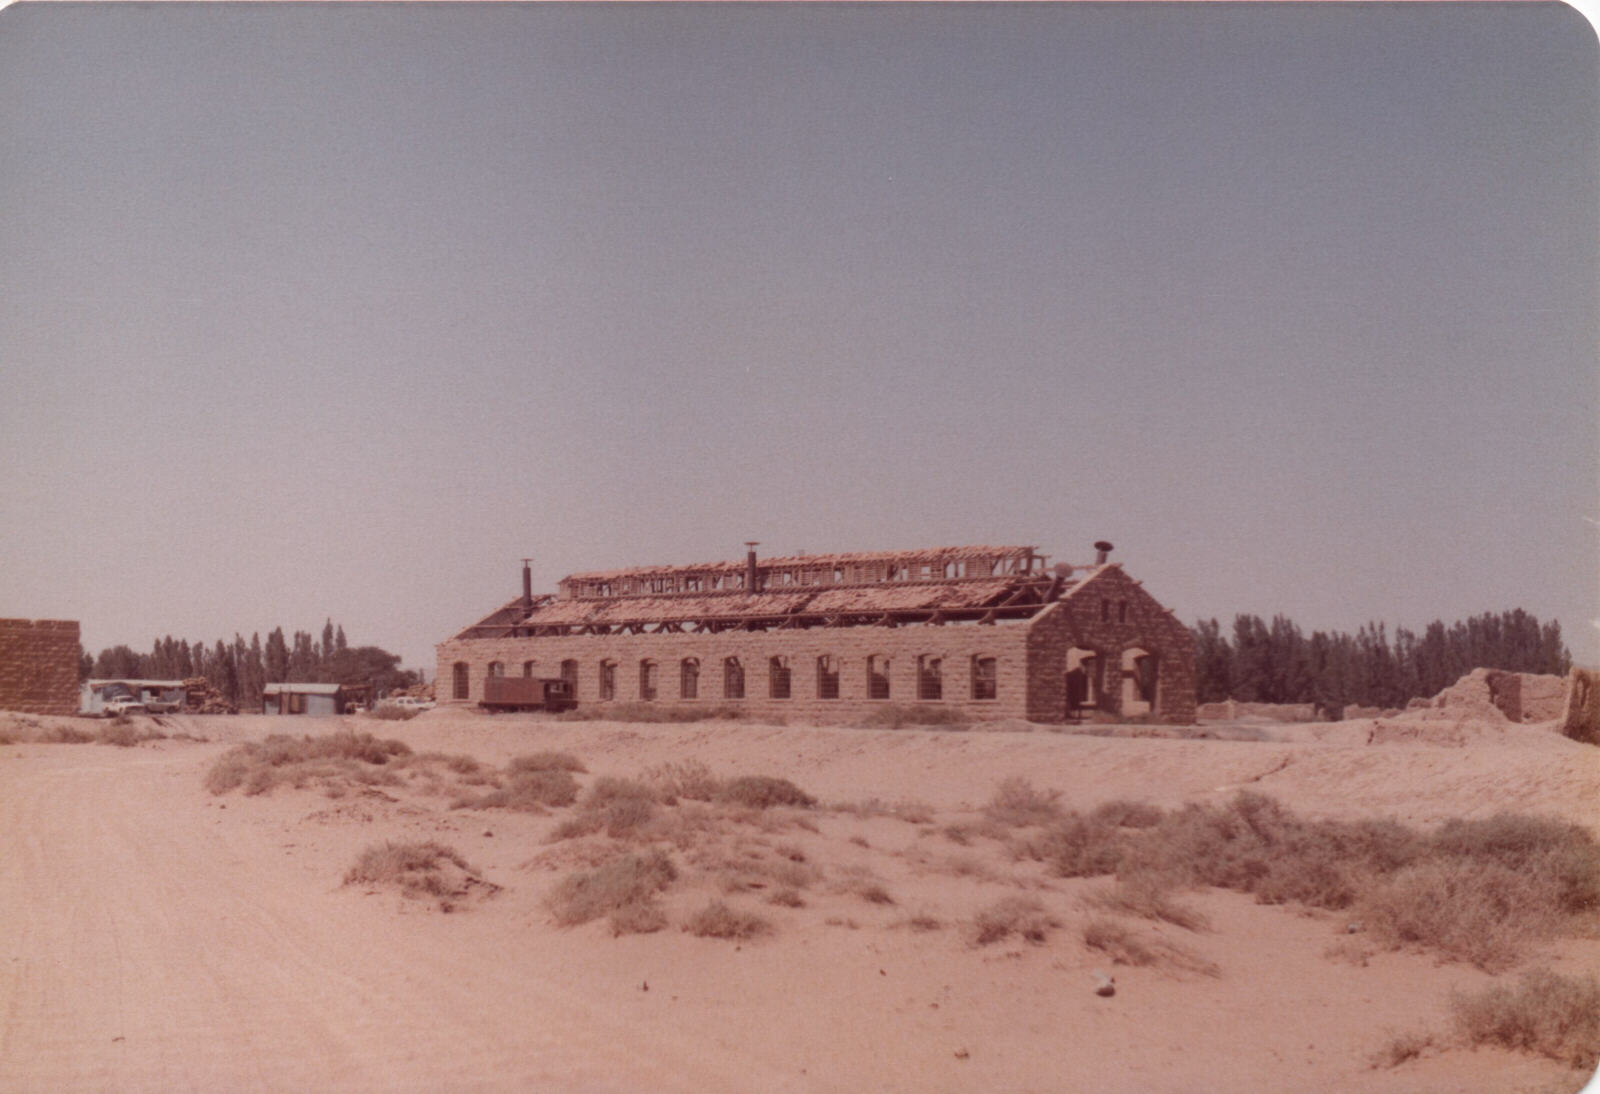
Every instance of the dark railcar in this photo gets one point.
(527, 693)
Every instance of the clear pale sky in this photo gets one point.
(338, 311)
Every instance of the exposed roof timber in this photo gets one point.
(925, 554)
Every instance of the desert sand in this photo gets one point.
(155, 936)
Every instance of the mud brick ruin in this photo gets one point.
(993, 631)
(39, 665)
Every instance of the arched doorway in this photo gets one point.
(1083, 682)
(1139, 671)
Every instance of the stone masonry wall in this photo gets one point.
(956, 644)
(39, 666)
(1110, 613)
(1030, 660)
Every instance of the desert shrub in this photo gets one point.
(1077, 846)
(1565, 854)
(895, 715)
(1548, 1014)
(1016, 802)
(638, 917)
(590, 894)
(922, 922)
(788, 897)
(546, 761)
(123, 734)
(718, 920)
(619, 806)
(1147, 898)
(419, 870)
(1019, 915)
(526, 792)
(1122, 813)
(1117, 941)
(258, 766)
(650, 712)
(688, 779)
(388, 712)
(763, 792)
(66, 735)
(1480, 912)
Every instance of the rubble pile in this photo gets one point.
(201, 698)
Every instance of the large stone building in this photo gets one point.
(993, 631)
(39, 665)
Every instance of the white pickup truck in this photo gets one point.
(123, 704)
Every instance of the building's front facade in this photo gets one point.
(991, 631)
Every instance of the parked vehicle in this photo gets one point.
(408, 702)
(526, 693)
(123, 704)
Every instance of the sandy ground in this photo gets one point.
(156, 937)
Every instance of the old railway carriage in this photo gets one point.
(993, 631)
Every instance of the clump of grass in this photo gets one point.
(545, 761)
(788, 897)
(638, 917)
(419, 870)
(619, 806)
(1479, 912)
(66, 735)
(1125, 946)
(1122, 813)
(718, 920)
(1147, 898)
(906, 809)
(388, 712)
(1020, 915)
(896, 715)
(1401, 1048)
(763, 792)
(631, 879)
(258, 766)
(124, 734)
(690, 780)
(1017, 803)
(526, 792)
(1077, 846)
(1547, 1014)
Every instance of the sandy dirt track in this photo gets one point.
(156, 937)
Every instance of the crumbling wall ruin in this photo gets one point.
(1580, 714)
(39, 665)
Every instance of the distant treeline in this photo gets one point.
(1276, 663)
(240, 670)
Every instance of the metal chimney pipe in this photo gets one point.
(1102, 552)
(527, 585)
(750, 564)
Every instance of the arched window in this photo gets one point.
(689, 678)
(608, 681)
(458, 682)
(778, 677)
(732, 679)
(827, 677)
(877, 677)
(569, 673)
(930, 678)
(497, 668)
(647, 680)
(985, 678)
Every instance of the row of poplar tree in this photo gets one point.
(1276, 663)
(240, 670)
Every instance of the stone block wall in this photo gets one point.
(39, 666)
(1107, 612)
(1580, 717)
(1110, 614)
(956, 645)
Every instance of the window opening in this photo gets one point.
(458, 673)
(877, 677)
(647, 680)
(732, 679)
(930, 681)
(778, 677)
(985, 681)
(689, 678)
(608, 680)
(827, 677)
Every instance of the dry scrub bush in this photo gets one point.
(1017, 803)
(1147, 898)
(1479, 912)
(526, 792)
(895, 716)
(905, 809)
(638, 917)
(590, 894)
(1122, 813)
(1076, 846)
(258, 766)
(388, 712)
(1126, 947)
(546, 761)
(1548, 1014)
(690, 780)
(123, 734)
(718, 920)
(787, 897)
(763, 792)
(1400, 1048)
(620, 807)
(1019, 915)
(66, 735)
(418, 870)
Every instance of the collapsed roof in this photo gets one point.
(979, 584)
